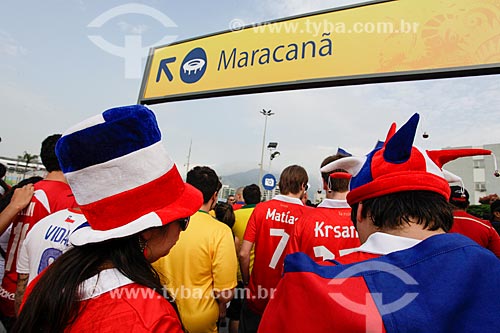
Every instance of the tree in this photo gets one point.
(481, 211)
(27, 158)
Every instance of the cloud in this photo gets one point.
(9, 46)
(283, 8)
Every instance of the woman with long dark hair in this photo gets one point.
(136, 205)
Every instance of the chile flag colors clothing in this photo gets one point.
(47, 240)
(322, 232)
(269, 228)
(478, 230)
(50, 196)
(111, 302)
(446, 283)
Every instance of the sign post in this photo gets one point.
(377, 41)
(269, 182)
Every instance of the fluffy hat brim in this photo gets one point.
(186, 205)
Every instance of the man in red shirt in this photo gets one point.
(419, 277)
(269, 228)
(323, 231)
(480, 231)
(51, 195)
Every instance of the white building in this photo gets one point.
(268, 195)
(18, 170)
(224, 192)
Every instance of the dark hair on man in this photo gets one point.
(224, 212)
(251, 194)
(3, 170)
(495, 206)
(3, 184)
(334, 184)
(393, 211)
(48, 153)
(77, 265)
(5, 200)
(292, 179)
(204, 179)
(459, 197)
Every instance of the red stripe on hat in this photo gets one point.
(443, 156)
(120, 209)
(340, 175)
(400, 182)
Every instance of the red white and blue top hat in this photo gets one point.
(121, 176)
(396, 166)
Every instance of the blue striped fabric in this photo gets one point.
(126, 130)
(456, 285)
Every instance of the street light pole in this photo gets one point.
(272, 157)
(266, 113)
(188, 157)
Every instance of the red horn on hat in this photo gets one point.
(441, 157)
(391, 132)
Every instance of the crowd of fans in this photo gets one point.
(113, 239)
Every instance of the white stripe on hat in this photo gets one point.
(85, 235)
(430, 166)
(121, 174)
(92, 121)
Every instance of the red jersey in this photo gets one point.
(269, 228)
(50, 196)
(114, 303)
(480, 231)
(118, 311)
(322, 232)
(238, 205)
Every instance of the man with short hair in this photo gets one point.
(230, 200)
(480, 231)
(251, 195)
(240, 198)
(51, 195)
(419, 279)
(269, 228)
(495, 215)
(4, 187)
(200, 270)
(323, 231)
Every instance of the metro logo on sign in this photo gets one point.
(269, 182)
(194, 65)
(376, 41)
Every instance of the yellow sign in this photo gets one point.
(374, 42)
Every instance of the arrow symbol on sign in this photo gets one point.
(164, 68)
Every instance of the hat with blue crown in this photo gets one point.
(395, 165)
(121, 176)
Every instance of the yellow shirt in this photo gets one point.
(242, 215)
(202, 260)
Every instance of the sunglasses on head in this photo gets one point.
(184, 222)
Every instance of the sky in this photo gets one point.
(53, 76)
